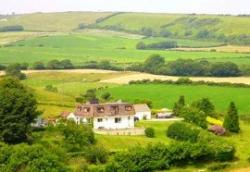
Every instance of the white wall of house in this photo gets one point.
(76, 119)
(117, 122)
(143, 115)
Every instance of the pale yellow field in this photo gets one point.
(228, 48)
(141, 76)
(126, 77)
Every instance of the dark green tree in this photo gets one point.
(15, 71)
(153, 63)
(18, 109)
(38, 65)
(206, 106)
(178, 106)
(106, 96)
(89, 95)
(231, 120)
(77, 137)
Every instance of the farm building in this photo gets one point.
(142, 111)
(116, 115)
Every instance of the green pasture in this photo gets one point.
(118, 49)
(166, 95)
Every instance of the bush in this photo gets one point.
(96, 154)
(51, 88)
(182, 131)
(218, 166)
(38, 66)
(12, 28)
(195, 116)
(150, 132)
(32, 158)
(15, 71)
(223, 152)
(218, 130)
(106, 96)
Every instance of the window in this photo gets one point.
(86, 109)
(99, 120)
(128, 108)
(118, 120)
(100, 109)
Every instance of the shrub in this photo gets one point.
(182, 131)
(193, 115)
(218, 166)
(51, 88)
(218, 130)
(96, 154)
(223, 152)
(106, 96)
(150, 132)
(12, 28)
(214, 121)
(38, 65)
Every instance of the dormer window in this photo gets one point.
(128, 108)
(100, 109)
(86, 109)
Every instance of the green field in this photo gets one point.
(72, 85)
(165, 95)
(82, 47)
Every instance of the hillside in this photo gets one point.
(233, 29)
(66, 21)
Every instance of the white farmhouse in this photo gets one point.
(105, 116)
(142, 111)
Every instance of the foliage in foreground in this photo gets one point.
(18, 109)
(27, 158)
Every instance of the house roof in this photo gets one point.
(65, 114)
(141, 108)
(108, 109)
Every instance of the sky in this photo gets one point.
(162, 6)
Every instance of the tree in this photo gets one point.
(90, 95)
(140, 46)
(165, 33)
(30, 158)
(66, 64)
(54, 64)
(15, 71)
(206, 106)
(18, 109)
(38, 65)
(231, 120)
(106, 96)
(178, 106)
(77, 137)
(154, 62)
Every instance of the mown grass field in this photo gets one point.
(117, 48)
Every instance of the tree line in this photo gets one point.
(156, 64)
(12, 28)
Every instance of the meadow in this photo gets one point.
(71, 85)
(82, 47)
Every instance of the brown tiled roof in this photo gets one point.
(141, 108)
(109, 109)
(65, 114)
